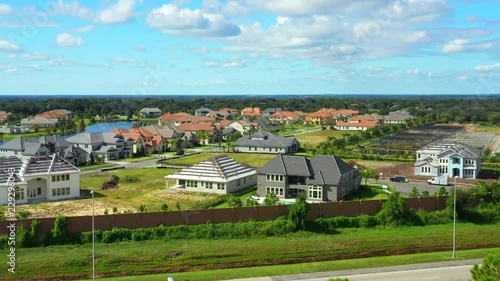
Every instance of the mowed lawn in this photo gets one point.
(169, 256)
(313, 139)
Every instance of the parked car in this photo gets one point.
(442, 180)
(398, 179)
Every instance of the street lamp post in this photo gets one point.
(93, 237)
(454, 215)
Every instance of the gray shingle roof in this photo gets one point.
(32, 144)
(95, 138)
(320, 169)
(265, 139)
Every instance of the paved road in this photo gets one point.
(442, 271)
(405, 188)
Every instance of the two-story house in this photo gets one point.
(202, 111)
(26, 147)
(150, 112)
(322, 178)
(451, 159)
(355, 124)
(110, 146)
(38, 179)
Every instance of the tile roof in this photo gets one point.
(356, 122)
(217, 169)
(207, 127)
(285, 114)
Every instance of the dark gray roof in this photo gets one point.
(320, 169)
(265, 139)
(95, 138)
(74, 151)
(330, 168)
(32, 144)
(288, 165)
(272, 110)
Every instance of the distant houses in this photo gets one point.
(4, 116)
(27, 147)
(40, 122)
(265, 142)
(220, 174)
(58, 114)
(355, 124)
(150, 112)
(322, 178)
(38, 179)
(110, 146)
(202, 111)
(449, 159)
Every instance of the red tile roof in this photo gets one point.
(194, 127)
(356, 122)
(285, 114)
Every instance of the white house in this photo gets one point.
(450, 159)
(38, 179)
(242, 126)
(220, 174)
(111, 146)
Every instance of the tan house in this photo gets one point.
(355, 124)
(285, 117)
(250, 112)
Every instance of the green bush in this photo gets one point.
(489, 270)
(59, 230)
(393, 211)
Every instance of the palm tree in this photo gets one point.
(203, 136)
(173, 143)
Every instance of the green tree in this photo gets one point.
(393, 211)
(59, 230)
(425, 193)
(443, 192)
(164, 207)
(489, 270)
(367, 173)
(414, 192)
(203, 136)
(271, 199)
(298, 212)
(115, 210)
(23, 215)
(178, 206)
(234, 201)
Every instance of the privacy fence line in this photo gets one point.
(194, 217)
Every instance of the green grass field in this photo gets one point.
(373, 191)
(160, 256)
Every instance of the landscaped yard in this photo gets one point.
(373, 191)
(149, 191)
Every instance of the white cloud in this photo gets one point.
(5, 10)
(122, 60)
(87, 28)
(11, 57)
(34, 56)
(464, 45)
(141, 48)
(120, 12)
(414, 71)
(463, 77)
(7, 46)
(66, 40)
(414, 37)
(200, 50)
(183, 21)
(211, 63)
(473, 18)
(490, 67)
(60, 62)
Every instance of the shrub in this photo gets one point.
(115, 210)
(234, 201)
(106, 211)
(59, 230)
(21, 215)
(164, 207)
(271, 199)
(298, 212)
(488, 270)
(142, 209)
(393, 211)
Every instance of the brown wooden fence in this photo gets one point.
(194, 217)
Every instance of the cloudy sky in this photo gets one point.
(249, 47)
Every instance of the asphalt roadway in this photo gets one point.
(440, 271)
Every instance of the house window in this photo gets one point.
(455, 161)
(274, 177)
(67, 190)
(238, 182)
(221, 186)
(39, 191)
(209, 185)
(19, 193)
(279, 191)
(315, 192)
(53, 178)
(54, 192)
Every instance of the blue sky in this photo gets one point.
(137, 47)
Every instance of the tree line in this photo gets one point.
(462, 109)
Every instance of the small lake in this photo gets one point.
(104, 127)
